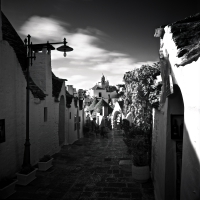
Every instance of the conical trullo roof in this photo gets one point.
(91, 107)
(100, 104)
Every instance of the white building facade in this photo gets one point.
(50, 125)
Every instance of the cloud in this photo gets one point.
(114, 80)
(80, 81)
(117, 65)
(44, 28)
(85, 42)
(91, 31)
(88, 54)
(85, 85)
(61, 69)
(78, 77)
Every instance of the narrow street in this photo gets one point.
(88, 169)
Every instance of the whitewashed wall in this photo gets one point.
(72, 133)
(12, 109)
(43, 135)
(104, 93)
(187, 77)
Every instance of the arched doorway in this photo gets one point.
(117, 120)
(61, 125)
(175, 141)
(129, 117)
(78, 123)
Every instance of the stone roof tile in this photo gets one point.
(11, 36)
(96, 87)
(56, 85)
(102, 103)
(186, 35)
(93, 104)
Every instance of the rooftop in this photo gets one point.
(91, 107)
(186, 35)
(11, 36)
(56, 85)
(102, 103)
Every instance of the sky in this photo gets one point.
(109, 37)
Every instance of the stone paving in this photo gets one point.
(88, 169)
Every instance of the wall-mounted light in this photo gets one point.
(64, 48)
(31, 49)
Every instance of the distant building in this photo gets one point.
(103, 90)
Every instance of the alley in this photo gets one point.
(88, 169)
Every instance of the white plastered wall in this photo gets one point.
(187, 78)
(12, 109)
(43, 135)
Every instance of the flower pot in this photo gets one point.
(25, 179)
(43, 166)
(140, 173)
(8, 190)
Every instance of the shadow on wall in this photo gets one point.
(190, 176)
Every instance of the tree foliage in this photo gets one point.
(142, 94)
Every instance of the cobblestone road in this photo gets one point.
(88, 169)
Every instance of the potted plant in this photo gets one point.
(140, 159)
(45, 163)
(7, 187)
(138, 147)
(128, 134)
(26, 175)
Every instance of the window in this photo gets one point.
(45, 114)
(2, 131)
(99, 94)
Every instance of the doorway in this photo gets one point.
(176, 121)
(61, 126)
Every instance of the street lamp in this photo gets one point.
(29, 51)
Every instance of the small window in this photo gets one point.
(2, 131)
(99, 94)
(79, 119)
(45, 114)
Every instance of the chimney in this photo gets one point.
(70, 89)
(41, 72)
(80, 93)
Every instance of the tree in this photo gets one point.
(141, 95)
